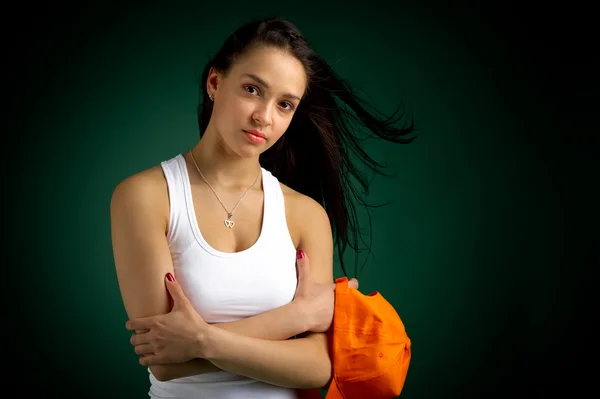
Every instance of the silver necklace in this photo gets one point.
(228, 222)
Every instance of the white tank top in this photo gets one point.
(225, 286)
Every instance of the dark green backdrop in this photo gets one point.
(477, 250)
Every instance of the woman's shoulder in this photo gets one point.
(308, 223)
(151, 179)
(300, 207)
(144, 189)
(299, 201)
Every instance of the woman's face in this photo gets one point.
(255, 101)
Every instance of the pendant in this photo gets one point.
(228, 222)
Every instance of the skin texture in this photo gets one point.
(258, 92)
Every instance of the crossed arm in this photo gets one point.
(275, 325)
(256, 347)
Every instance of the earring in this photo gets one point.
(210, 96)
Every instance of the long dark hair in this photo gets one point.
(314, 156)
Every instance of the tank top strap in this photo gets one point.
(275, 223)
(179, 233)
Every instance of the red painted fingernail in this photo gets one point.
(300, 254)
(170, 277)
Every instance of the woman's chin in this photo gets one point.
(249, 152)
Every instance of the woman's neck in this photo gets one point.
(221, 166)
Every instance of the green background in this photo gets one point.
(480, 250)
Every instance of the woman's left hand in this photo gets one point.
(174, 337)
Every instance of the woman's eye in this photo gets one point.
(250, 89)
(290, 107)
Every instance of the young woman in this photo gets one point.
(212, 246)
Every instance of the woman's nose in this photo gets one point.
(262, 115)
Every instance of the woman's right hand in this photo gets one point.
(316, 299)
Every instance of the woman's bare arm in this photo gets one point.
(276, 324)
(139, 218)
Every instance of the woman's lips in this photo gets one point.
(255, 136)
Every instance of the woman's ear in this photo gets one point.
(212, 82)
